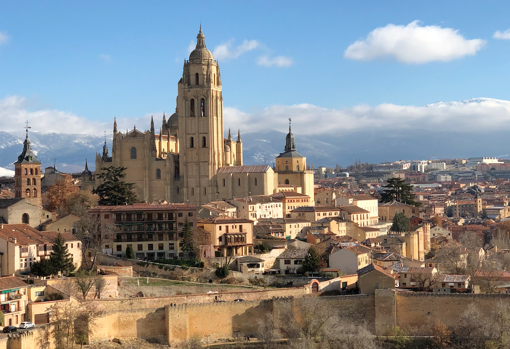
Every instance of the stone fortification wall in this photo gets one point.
(129, 290)
(240, 318)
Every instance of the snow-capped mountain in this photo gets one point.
(6, 173)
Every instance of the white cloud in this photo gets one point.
(413, 44)
(476, 115)
(15, 110)
(4, 38)
(105, 57)
(279, 61)
(502, 35)
(227, 51)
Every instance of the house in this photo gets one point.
(325, 197)
(349, 259)
(452, 284)
(229, 236)
(14, 300)
(314, 213)
(416, 277)
(363, 233)
(386, 260)
(388, 210)
(292, 200)
(363, 201)
(257, 207)
(293, 226)
(291, 260)
(437, 231)
(22, 245)
(266, 231)
(64, 224)
(336, 225)
(355, 214)
(250, 265)
(374, 277)
(217, 209)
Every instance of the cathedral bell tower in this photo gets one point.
(200, 110)
(27, 174)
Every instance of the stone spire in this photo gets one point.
(114, 125)
(153, 137)
(239, 135)
(229, 135)
(200, 38)
(27, 156)
(290, 144)
(86, 165)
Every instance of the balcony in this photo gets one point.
(15, 296)
(235, 239)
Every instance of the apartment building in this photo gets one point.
(257, 207)
(154, 231)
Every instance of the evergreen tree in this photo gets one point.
(60, 257)
(483, 214)
(400, 223)
(399, 190)
(42, 268)
(312, 262)
(130, 254)
(188, 243)
(114, 191)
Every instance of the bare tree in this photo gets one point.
(84, 282)
(99, 284)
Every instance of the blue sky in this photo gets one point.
(85, 62)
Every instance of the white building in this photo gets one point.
(472, 162)
(365, 202)
(257, 207)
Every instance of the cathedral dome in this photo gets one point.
(200, 53)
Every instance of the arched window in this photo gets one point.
(192, 107)
(239, 182)
(202, 107)
(214, 79)
(196, 78)
(192, 191)
(205, 190)
(204, 142)
(31, 171)
(287, 181)
(286, 167)
(28, 181)
(33, 181)
(158, 174)
(133, 153)
(35, 193)
(27, 193)
(191, 142)
(36, 171)
(256, 181)
(25, 171)
(25, 218)
(297, 167)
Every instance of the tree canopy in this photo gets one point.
(60, 257)
(58, 193)
(114, 190)
(188, 243)
(399, 190)
(313, 261)
(400, 223)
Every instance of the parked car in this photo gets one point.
(9, 329)
(26, 325)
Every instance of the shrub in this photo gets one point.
(222, 272)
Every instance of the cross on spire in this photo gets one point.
(27, 127)
(290, 121)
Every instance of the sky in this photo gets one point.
(332, 66)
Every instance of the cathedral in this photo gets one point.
(190, 161)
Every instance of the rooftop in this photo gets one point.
(292, 253)
(11, 282)
(352, 209)
(244, 169)
(144, 207)
(26, 235)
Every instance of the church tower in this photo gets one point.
(200, 112)
(27, 175)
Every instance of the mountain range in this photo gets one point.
(438, 136)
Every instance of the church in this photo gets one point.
(190, 161)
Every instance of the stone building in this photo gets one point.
(27, 175)
(190, 161)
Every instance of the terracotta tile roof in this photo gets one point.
(258, 199)
(244, 169)
(453, 278)
(416, 270)
(289, 194)
(372, 267)
(143, 207)
(224, 220)
(316, 209)
(294, 253)
(352, 209)
(26, 235)
(11, 282)
(362, 197)
(499, 275)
